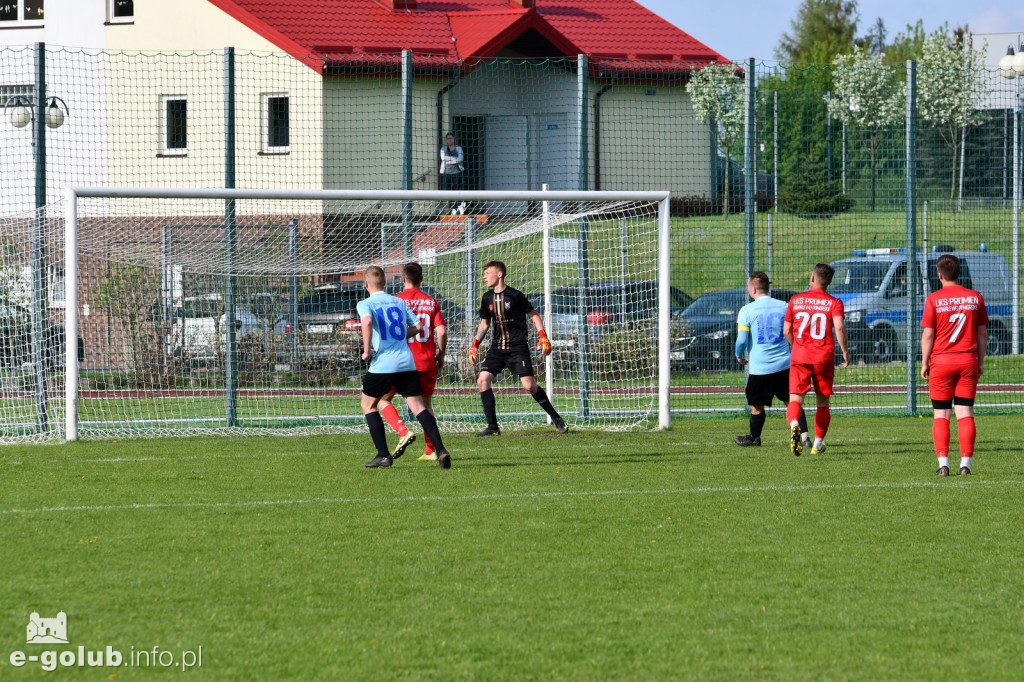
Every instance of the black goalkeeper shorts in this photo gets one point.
(518, 362)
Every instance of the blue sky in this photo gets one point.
(751, 28)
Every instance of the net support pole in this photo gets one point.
(549, 361)
(1018, 112)
(37, 314)
(230, 219)
(770, 246)
(407, 133)
(583, 256)
(293, 293)
(775, 149)
(924, 229)
(912, 262)
(471, 302)
(70, 315)
(749, 172)
(664, 317)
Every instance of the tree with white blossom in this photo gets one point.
(866, 94)
(716, 91)
(950, 81)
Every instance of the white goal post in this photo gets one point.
(623, 237)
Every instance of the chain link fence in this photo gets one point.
(772, 167)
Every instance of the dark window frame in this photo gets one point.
(276, 123)
(174, 137)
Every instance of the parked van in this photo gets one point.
(873, 287)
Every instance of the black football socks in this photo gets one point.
(542, 399)
(430, 429)
(757, 424)
(487, 398)
(376, 426)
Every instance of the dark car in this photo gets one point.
(608, 304)
(326, 325)
(454, 315)
(16, 338)
(705, 334)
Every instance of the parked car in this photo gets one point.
(455, 315)
(327, 328)
(872, 283)
(15, 338)
(608, 304)
(705, 333)
(199, 328)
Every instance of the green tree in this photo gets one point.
(821, 30)
(906, 45)
(866, 94)
(950, 80)
(127, 295)
(810, 193)
(717, 95)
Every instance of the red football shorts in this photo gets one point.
(428, 380)
(803, 377)
(947, 381)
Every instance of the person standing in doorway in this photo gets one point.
(451, 172)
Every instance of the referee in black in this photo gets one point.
(507, 309)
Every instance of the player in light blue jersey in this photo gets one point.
(387, 325)
(760, 343)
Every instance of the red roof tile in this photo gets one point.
(465, 29)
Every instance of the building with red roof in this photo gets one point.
(569, 93)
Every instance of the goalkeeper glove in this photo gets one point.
(544, 343)
(472, 352)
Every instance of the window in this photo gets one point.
(55, 286)
(175, 124)
(21, 12)
(275, 123)
(120, 11)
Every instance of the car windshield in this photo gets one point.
(329, 303)
(201, 308)
(858, 278)
(718, 304)
(269, 306)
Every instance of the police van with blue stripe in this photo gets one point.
(872, 284)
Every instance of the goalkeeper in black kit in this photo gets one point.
(507, 309)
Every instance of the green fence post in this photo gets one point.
(749, 171)
(37, 315)
(912, 264)
(407, 133)
(230, 219)
(582, 76)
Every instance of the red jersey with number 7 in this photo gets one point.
(955, 313)
(811, 315)
(428, 311)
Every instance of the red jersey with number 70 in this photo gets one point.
(955, 313)
(811, 315)
(428, 311)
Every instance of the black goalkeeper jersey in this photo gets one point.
(507, 312)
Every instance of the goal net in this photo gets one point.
(219, 311)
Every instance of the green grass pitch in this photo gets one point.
(591, 556)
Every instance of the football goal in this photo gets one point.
(234, 311)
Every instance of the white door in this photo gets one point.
(506, 149)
